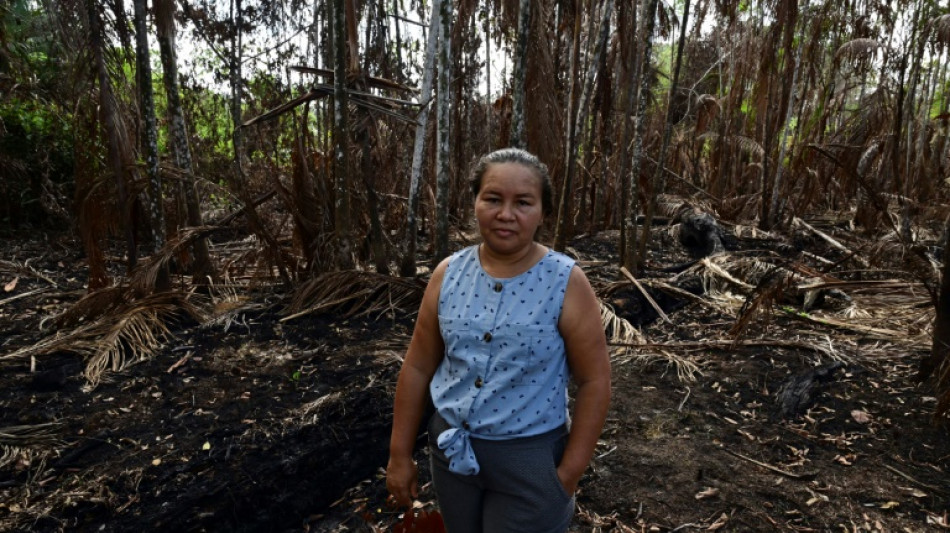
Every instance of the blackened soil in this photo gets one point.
(259, 424)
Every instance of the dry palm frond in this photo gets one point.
(941, 26)
(628, 344)
(868, 157)
(707, 109)
(746, 145)
(857, 49)
(95, 304)
(127, 332)
(143, 279)
(618, 329)
(356, 294)
(14, 440)
(133, 334)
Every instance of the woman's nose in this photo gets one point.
(506, 212)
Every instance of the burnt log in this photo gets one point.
(799, 392)
(700, 233)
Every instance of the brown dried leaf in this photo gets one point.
(11, 285)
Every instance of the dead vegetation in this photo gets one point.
(129, 411)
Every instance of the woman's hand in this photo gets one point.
(402, 480)
(568, 481)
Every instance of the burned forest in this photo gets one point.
(219, 219)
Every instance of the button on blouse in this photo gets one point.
(500, 335)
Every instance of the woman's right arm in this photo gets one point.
(425, 352)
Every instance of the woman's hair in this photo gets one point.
(518, 156)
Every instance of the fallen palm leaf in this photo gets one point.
(124, 333)
(356, 294)
(14, 440)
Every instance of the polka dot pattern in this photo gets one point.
(504, 374)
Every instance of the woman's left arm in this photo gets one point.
(583, 332)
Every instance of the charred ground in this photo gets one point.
(253, 422)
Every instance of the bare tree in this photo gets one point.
(518, 74)
(143, 70)
(629, 251)
(120, 149)
(577, 122)
(165, 24)
(443, 133)
(408, 266)
(340, 136)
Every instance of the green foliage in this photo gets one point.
(36, 153)
(36, 137)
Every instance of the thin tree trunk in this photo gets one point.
(628, 228)
(165, 23)
(120, 151)
(570, 138)
(777, 185)
(518, 76)
(629, 253)
(155, 205)
(143, 69)
(562, 233)
(237, 90)
(490, 118)
(443, 133)
(408, 266)
(377, 244)
(341, 208)
(659, 176)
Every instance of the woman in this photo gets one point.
(501, 327)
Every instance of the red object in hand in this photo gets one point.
(424, 523)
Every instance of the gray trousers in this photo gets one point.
(516, 490)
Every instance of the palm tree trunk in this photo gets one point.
(629, 253)
(408, 266)
(143, 69)
(628, 226)
(777, 184)
(120, 152)
(341, 208)
(518, 76)
(165, 24)
(443, 133)
(570, 137)
(659, 177)
(155, 204)
(578, 120)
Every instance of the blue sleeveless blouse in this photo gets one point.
(504, 374)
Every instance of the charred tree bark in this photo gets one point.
(658, 183)
(629, 251)
(563, 231)
(518, 75)
(571, 135)
(341, 208)
(143, 70)
(628, 46)
(154, 203)
(408, 266)
(120, 150)
(165, 23)
(443, 133)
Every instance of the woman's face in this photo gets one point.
(508, 207)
